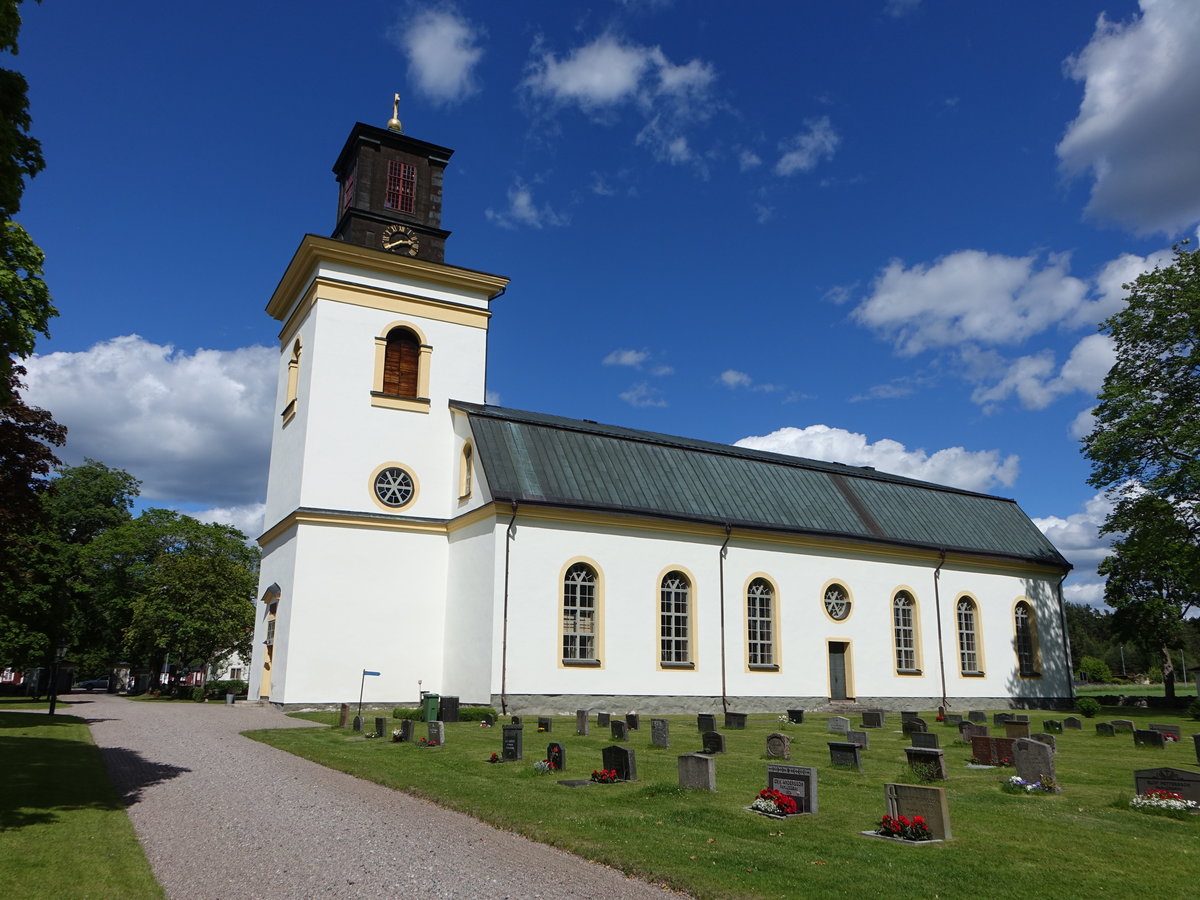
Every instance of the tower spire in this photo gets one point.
(394, 122)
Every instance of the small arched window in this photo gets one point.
(1025, 626)
(464, 471)
(968, 638)
(579, 613)
(760, 623)
(905, 632)
(675, 607)
(401, 363)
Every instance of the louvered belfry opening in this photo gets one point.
(400, 363)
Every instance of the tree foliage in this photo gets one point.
(25, 304)
(1145, 451)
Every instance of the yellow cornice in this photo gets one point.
(314, 250)
(499, 510)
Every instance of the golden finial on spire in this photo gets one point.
(394, 121)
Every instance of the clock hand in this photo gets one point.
(397, 242)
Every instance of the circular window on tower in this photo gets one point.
(837, 602)
(393, 486)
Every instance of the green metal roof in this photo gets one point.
(542, 459)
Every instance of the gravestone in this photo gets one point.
(633, 721)
(697, 772)
(1033, 760)
(545, 723)
(437, 732)
(556, 756)
(622, 760)
(516, 720)
(1123, 726)
(358, 724)
(991, 751)
(954, 719)
(602, 720)
(1052, 726)
(620, 730)
(1174, 730)
(838, 725)
(1196, 741)
(408, 728)
(862, 738)
(1178, 781)
(1016, 729)
(977, 716)
(380, 726)
(968, 730)
(909, 714)
(1019, 717)
(735, 720)
(343, 715)
(872, 718)
(1149, 738)
(930, 763)
(927, 802)
(779, 746)
(798, 782)
(488, 720)
(660, 733)
(1048, 739)
(912, 725)
(796, 716)
(713, 741)
(1073, 723)
(512, 747)
(999, 719)
(1105, 729)
(583, 725)
(843, 753)
(448, 709)
(706, 722)
(926, 740)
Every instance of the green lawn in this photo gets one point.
(1084, 841)
(1182, 689)
(63, 829)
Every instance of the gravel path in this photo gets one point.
(225, 817)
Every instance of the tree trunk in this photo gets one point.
(1168, 672)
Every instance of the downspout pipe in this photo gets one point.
(937, 606)
(508, 539)
(721, 582)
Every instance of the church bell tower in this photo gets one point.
(390, 191)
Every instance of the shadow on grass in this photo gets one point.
(48, 775)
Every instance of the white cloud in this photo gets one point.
(732, 378)
(969, 296)
(492, 398)
(633, 358)
(1035, 382)
(442, 50)
(522, 210)
(748, 159)
(247, 518)
(642, 394)
(1078, 535)
(608, 74)
(802, 152)
(897, 9)
(978, 470)
(193, 427)
(1139, 122)
(1083, 423)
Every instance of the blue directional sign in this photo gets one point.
(365, 672)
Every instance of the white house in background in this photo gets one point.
(540, 563)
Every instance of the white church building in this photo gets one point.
(543, 564)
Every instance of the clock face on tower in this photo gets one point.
(401, 239)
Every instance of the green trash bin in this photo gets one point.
(429, 707)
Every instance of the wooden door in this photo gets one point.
(837, 671)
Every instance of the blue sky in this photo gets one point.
(876, 231)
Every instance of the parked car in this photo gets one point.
(93, 684)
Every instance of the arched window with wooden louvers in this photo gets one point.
(401, 363)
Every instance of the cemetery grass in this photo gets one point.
(64, 831)
(1182, 689)
(1084, 841)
